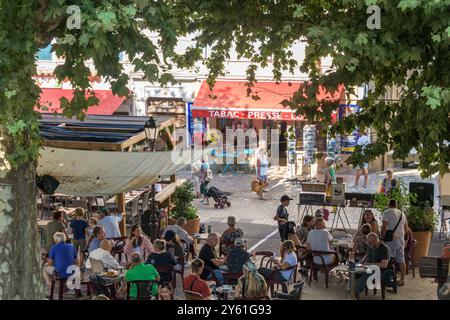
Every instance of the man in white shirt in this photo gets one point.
(104, 255)
(180, 231)
(393, 218)
(110, 223)
(320, 239)
(363, 141)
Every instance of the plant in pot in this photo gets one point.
(182, 199)
(400, 194)
(423, 222)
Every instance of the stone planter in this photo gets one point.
(423, 245)
(192, 226)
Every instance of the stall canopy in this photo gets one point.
(108, 102)
(89, 173)
(229, 99)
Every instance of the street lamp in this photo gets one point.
(151, 132)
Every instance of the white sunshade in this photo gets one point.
(88, 173)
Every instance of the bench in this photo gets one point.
(434, 267)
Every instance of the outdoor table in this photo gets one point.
(129, 196)
(200, 237)
(342, 243)
(352, 273)
(224, 292)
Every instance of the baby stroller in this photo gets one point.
(219, 197)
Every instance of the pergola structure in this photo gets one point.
(103, 133)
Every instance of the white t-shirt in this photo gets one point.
(105, 257)
(291, 260)
(392, 216)
(363, 141)
(319, 240)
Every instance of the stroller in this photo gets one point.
(219, 197)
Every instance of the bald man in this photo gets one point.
(211, 259)
(104, 255)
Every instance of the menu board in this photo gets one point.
(309, 144)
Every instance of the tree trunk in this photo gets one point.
(20, 266)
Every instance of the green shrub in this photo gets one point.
(400, 193)
(182, 199)
(422, 219)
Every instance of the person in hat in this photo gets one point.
(282, 214)
(143, 272)
(110, 223)
(237, 256)
(252, 284)
(230, 235)
(173, 244)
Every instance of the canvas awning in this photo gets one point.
(229, 100)
(89, 173)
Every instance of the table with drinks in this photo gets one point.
(351, 268)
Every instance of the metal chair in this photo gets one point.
(265, 255)
(409, 254)
(325, 268)
(284, 284)
(295, 294)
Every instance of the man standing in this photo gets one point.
(110, 224)
(393, 231)
(363, 141)
(54, 226)
(282, 215)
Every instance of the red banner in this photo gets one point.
(233, 114)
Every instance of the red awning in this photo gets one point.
(232, 101)
(108, 102)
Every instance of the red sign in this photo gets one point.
(233, 114)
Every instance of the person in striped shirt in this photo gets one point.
(194, 283)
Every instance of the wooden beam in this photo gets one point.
(99, 146)
(121, 209)
(170, 136)
(133, 140)
(94, 129)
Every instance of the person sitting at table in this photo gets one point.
(138, 242)
(251, 285)
(377, 254)
(290, 234)
(99, 235)
(320, 239)
(209, 256)
(139, 271)
(79, 229)
(289, 259)
(165, 292)
(104, 255)
(161, 258)
(61, 258)
(173, 244)
(110, 223)
(360, 243)
(369, 217)
(194, 282)
(54, 226)
(237, 256)
(306, 226)
(179, 230)
(230, 234)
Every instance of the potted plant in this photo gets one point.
(400, 194)
(182, 199)
(423, 222)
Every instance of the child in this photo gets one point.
(79, 227)
(92, 224)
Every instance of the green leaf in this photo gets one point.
(408, 4)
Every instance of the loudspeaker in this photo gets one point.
(314, 199)
(424, 192)
(47, 184)
(358, 200)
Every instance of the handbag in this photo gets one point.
(389, 235)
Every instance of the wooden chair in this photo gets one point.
(61, 283)
(191, 295)
(272, 281)
(393, 265)
(144, 289)
(409, 253)
(231, 278)
(295, 294)
(119, 244)
(325, 268)
(266, 255)
(170, 271)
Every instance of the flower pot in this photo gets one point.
(423, 244)
(192, 226)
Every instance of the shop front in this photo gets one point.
(228, 106)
